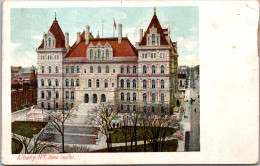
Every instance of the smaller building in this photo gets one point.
(24, 88)
(182, 81)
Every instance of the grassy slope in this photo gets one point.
(16, 146)
(119, 136)
(27, 128)
(170, 146)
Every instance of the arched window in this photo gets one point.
(49, 42)
(72, 69)
(153, 39)
(122, 96)
(107, 53)
(153, 83)
(42, 69)
(134, 83)
(144, 69)
(49, 69)
(153, 69)
(67, 69)
(86, 98)
(67, 94)
(103, 98)
(122, 69)
(162, 97)
(134, 108)
(144, 97)
(49, 106)
(42, 104)
(153, 109)
(144, 108)
(162, 109)
(94, 98)
(85, 70)
(128, 108)
(97, 83)
(99, 69)
(99, 53)
(106, 83)
(134, 69)
(42, 82)
(67, 82)
(66, 105)
(162, 84)
(77, 68)
(91, 69)
(89, 83)
(144, 84)
(72, 105)
(153, 97)
(57, 82)
(128, 83)
(134, 96)
(107, 69)
(162, 68)
(128, 69)
(122, 83)
(49, 82)
(91, 54)
(72, 95)
(77, 82)
(49, 94)
(72, 82)
(57, 94)
(42, 93)
(128, 96)
(57, 69)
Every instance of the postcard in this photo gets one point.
(127, 82)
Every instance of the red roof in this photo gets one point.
(123, 49)
(156, 24)
(58, 34)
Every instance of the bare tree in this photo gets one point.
(143, 122)
(57, 119)
(36, 144)
(125, 130)
(103, 117)
(159, 130)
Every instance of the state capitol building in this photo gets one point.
(95, 70)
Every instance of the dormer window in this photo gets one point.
(99, 53)
(153, 39)
(91, 54)
(49, 42)
(107, 53)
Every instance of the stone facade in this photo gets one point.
(96, 70)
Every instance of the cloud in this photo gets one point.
(193, 30)
(14, 47)
(37, 37)
(188, 49)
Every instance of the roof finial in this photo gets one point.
(55, 17)
(154, 11)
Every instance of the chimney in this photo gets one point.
(119, 33)
(87, 35)
(78, 37)
(141, 34)
(67, 44)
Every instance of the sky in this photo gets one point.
(29, 24)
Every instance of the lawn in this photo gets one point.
(17, 146)
(170, 146)
(27, 128)
(119, 136)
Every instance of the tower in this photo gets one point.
(157, 63)
(49, 67)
